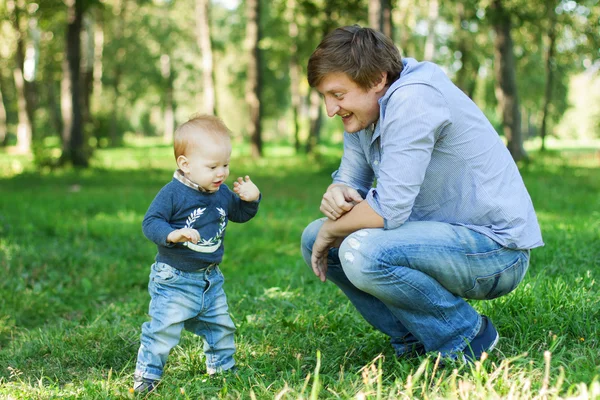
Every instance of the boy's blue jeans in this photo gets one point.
(191, 300)
(410, 282)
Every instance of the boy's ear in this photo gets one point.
(183, 164)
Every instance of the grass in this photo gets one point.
(75, 267)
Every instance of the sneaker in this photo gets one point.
(485, 341)
(415, 351)
(144, 385)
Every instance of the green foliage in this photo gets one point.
(75, 267)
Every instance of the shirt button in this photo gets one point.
(376, 162)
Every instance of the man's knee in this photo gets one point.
(359, 259)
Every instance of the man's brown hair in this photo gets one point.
(187, 134)
(361, 53)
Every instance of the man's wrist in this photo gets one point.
(336, 184)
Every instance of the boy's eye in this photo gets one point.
(226, 165)
(338, 96)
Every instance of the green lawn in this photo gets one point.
(76, 266)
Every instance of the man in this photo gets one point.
(449, 217)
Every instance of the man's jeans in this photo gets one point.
(410, 282)
(191, 300)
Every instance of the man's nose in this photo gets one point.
(332, 107)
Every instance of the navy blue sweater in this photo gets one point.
(179, 206)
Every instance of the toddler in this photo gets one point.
(187, 221)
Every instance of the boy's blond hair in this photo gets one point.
(198, 126)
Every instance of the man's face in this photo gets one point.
(357, 107)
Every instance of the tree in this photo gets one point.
(466, 44)
(254, 82)
(76, 153)
(506, 83)
(24, 95)
(204, 44)
(295, 70)
(432, 19)
(380, 16)
(549, 70)
(3, 120)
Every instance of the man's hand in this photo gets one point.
(246, 189)
(324, 241)
(184, 235)
(338, 200)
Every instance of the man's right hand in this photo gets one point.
(338, 200)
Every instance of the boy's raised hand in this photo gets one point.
(246, 189)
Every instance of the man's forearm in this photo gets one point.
(360, 217)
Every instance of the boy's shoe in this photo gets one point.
(233, 371)
(485, 341)
(144, 385)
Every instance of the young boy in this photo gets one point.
(187, 221)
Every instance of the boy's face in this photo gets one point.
(207, 161)
(357, 107)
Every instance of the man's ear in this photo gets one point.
(183, 164)
(382, 83)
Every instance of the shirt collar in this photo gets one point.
(182, 178)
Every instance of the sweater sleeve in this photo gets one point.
(240, 210)
(155, 225)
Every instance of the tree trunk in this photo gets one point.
(87, 70)
(115, 134)
(432, 17)
(55, 111)
(549, 75)
(407, 13)
(66, 108)
(3, 120)
(204, 44)
(316, 118)
(254, 83)
(294, 72)
(169, 114)
(98, 51)
(380, 16)
(466, 76)
(25, 124)
(77, 153)
(506, 83)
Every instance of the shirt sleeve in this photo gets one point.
(414, 118)
(240, 210)
(354, 169)
(155, 225)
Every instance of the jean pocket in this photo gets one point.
(163, 273)
(501, 283)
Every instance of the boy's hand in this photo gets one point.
(184, 235)
(246, 189)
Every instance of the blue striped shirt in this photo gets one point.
(435, 157)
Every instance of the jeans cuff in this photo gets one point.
(216, 369)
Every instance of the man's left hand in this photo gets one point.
(325, 240)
